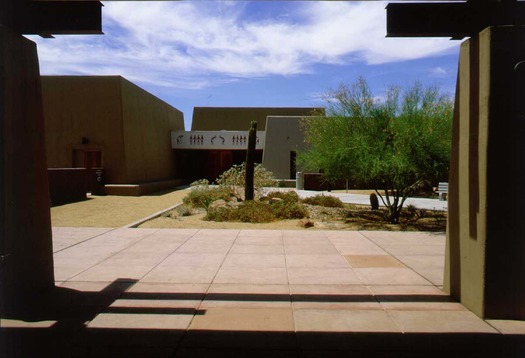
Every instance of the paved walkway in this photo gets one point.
(210, 293)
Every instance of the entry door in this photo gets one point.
(218, 162)
(87, 158)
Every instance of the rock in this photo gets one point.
(275, 200)
(305, 224)
(216, 204)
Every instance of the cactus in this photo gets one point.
(374, 203)
(250, 162)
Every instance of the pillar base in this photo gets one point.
(26, 255)
(485, 267)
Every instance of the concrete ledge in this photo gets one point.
(142, 188)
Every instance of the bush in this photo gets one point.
(235, 176)
(203, 195)
(183, 210)
(261, 211)
(249, 211)
(288, 210)
(200, 182)
(324, 200)
(289, 196)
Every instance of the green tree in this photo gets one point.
(392, 143)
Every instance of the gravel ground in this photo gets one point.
(113, 211)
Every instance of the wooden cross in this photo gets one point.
(46, 18)
(455, 20)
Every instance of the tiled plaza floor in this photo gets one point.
(242, 293)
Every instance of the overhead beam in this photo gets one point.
(449, 19)
(48, 18)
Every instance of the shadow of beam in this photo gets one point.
(69, 336)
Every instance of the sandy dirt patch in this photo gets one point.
(113, 211)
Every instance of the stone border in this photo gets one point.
(135, 224)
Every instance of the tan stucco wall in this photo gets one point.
(283, 135)
(239, 118)
(84, 106)
(147, 126)
(130, 126)
(467, 200)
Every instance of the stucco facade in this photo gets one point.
(210, 147)
(239, 118)
(107, 121)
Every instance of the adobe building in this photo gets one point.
(109, 122)
(218, 140)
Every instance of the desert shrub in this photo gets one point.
(183, 210)
(222, 213)
(249, 211)
(235, 176)
(324, 200)
(289, 196)
(288, 209)
(200, 182)
(259, 211)
(202, 196)
(413, 214)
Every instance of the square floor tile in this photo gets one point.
(315, 320)
(257, 249)
(141, 321)
(378, 261)
(254, 260)
(324, 276)
(440, 321)
(318, 249)
(253, 275)
(245, 319)
(183, 274)
(390, 276)
(312, 260)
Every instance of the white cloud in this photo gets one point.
(198, 44)
(439, 72)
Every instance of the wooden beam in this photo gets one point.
(449, 19)
(50, 17)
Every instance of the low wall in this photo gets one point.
(141, 189)
(67, 185)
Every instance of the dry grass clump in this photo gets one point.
(324, 200)
(249, 211)
(201, 196)
(412, 219)
(274, 206)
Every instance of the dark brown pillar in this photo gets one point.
(485, 267)
(25, 225)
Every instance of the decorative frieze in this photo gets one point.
(216, 140)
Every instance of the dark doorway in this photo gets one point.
(192, 165)
(87, 158)
(293, 168)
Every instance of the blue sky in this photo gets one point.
(249, 53)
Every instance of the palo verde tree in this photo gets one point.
(392, 143)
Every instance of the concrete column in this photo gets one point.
(25, 225)
(485, 267)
